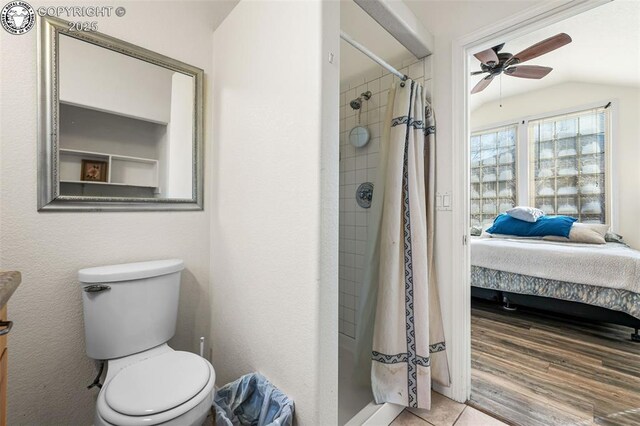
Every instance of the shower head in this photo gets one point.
(357, 103)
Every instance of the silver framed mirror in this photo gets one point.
(120, 126)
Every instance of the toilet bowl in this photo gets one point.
(130, 313)
(157, 386)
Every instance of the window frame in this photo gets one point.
(497, 129)
(525, 175)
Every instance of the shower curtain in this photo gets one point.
(399, 337)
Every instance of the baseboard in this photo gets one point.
(376, 415)
(445, 391)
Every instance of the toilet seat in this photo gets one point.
(157, 389)
(157, 384)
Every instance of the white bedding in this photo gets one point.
(609, 265)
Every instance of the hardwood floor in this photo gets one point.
(532, 368)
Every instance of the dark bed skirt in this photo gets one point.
(579, 300)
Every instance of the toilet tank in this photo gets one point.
(129, 308)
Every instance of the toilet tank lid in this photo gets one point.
(130, 271)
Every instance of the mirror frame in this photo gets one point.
(49, 197)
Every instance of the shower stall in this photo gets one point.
(366, 80)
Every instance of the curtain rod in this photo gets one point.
(346, 37)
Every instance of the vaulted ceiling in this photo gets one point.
(605, 50)
(605, 47)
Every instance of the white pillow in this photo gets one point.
(600, 228)
(528, 214)
(587, 233)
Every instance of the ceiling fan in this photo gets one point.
(494, 62)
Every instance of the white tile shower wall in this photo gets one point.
(359, 165)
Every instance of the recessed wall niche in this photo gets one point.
(131, 148)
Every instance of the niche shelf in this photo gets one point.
(122, 170)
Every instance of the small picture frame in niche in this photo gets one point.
(94, 171)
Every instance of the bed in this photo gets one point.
(596, 282)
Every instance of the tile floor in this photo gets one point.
(445, 412)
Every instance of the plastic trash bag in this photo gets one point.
(252, 400)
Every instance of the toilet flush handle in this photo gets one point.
(8, 325)
(96, 288)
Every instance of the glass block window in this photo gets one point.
(567, 164)
(493, 173)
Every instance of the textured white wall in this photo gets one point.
(625, 147)
(48, 368)
(275, 200)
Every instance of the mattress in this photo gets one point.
(610, 265)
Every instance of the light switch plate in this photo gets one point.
(443, 201)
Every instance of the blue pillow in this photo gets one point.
(559, 226)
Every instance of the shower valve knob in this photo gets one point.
(364, 195)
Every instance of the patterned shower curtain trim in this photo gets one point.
(387, 385)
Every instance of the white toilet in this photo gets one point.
(130, 313)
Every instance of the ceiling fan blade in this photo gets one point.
(540, 48)
(478, 72)
(487, 56)
(528, 71)
(482, 84)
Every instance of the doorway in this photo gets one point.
(607, 113)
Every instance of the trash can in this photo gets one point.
(252, 400)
